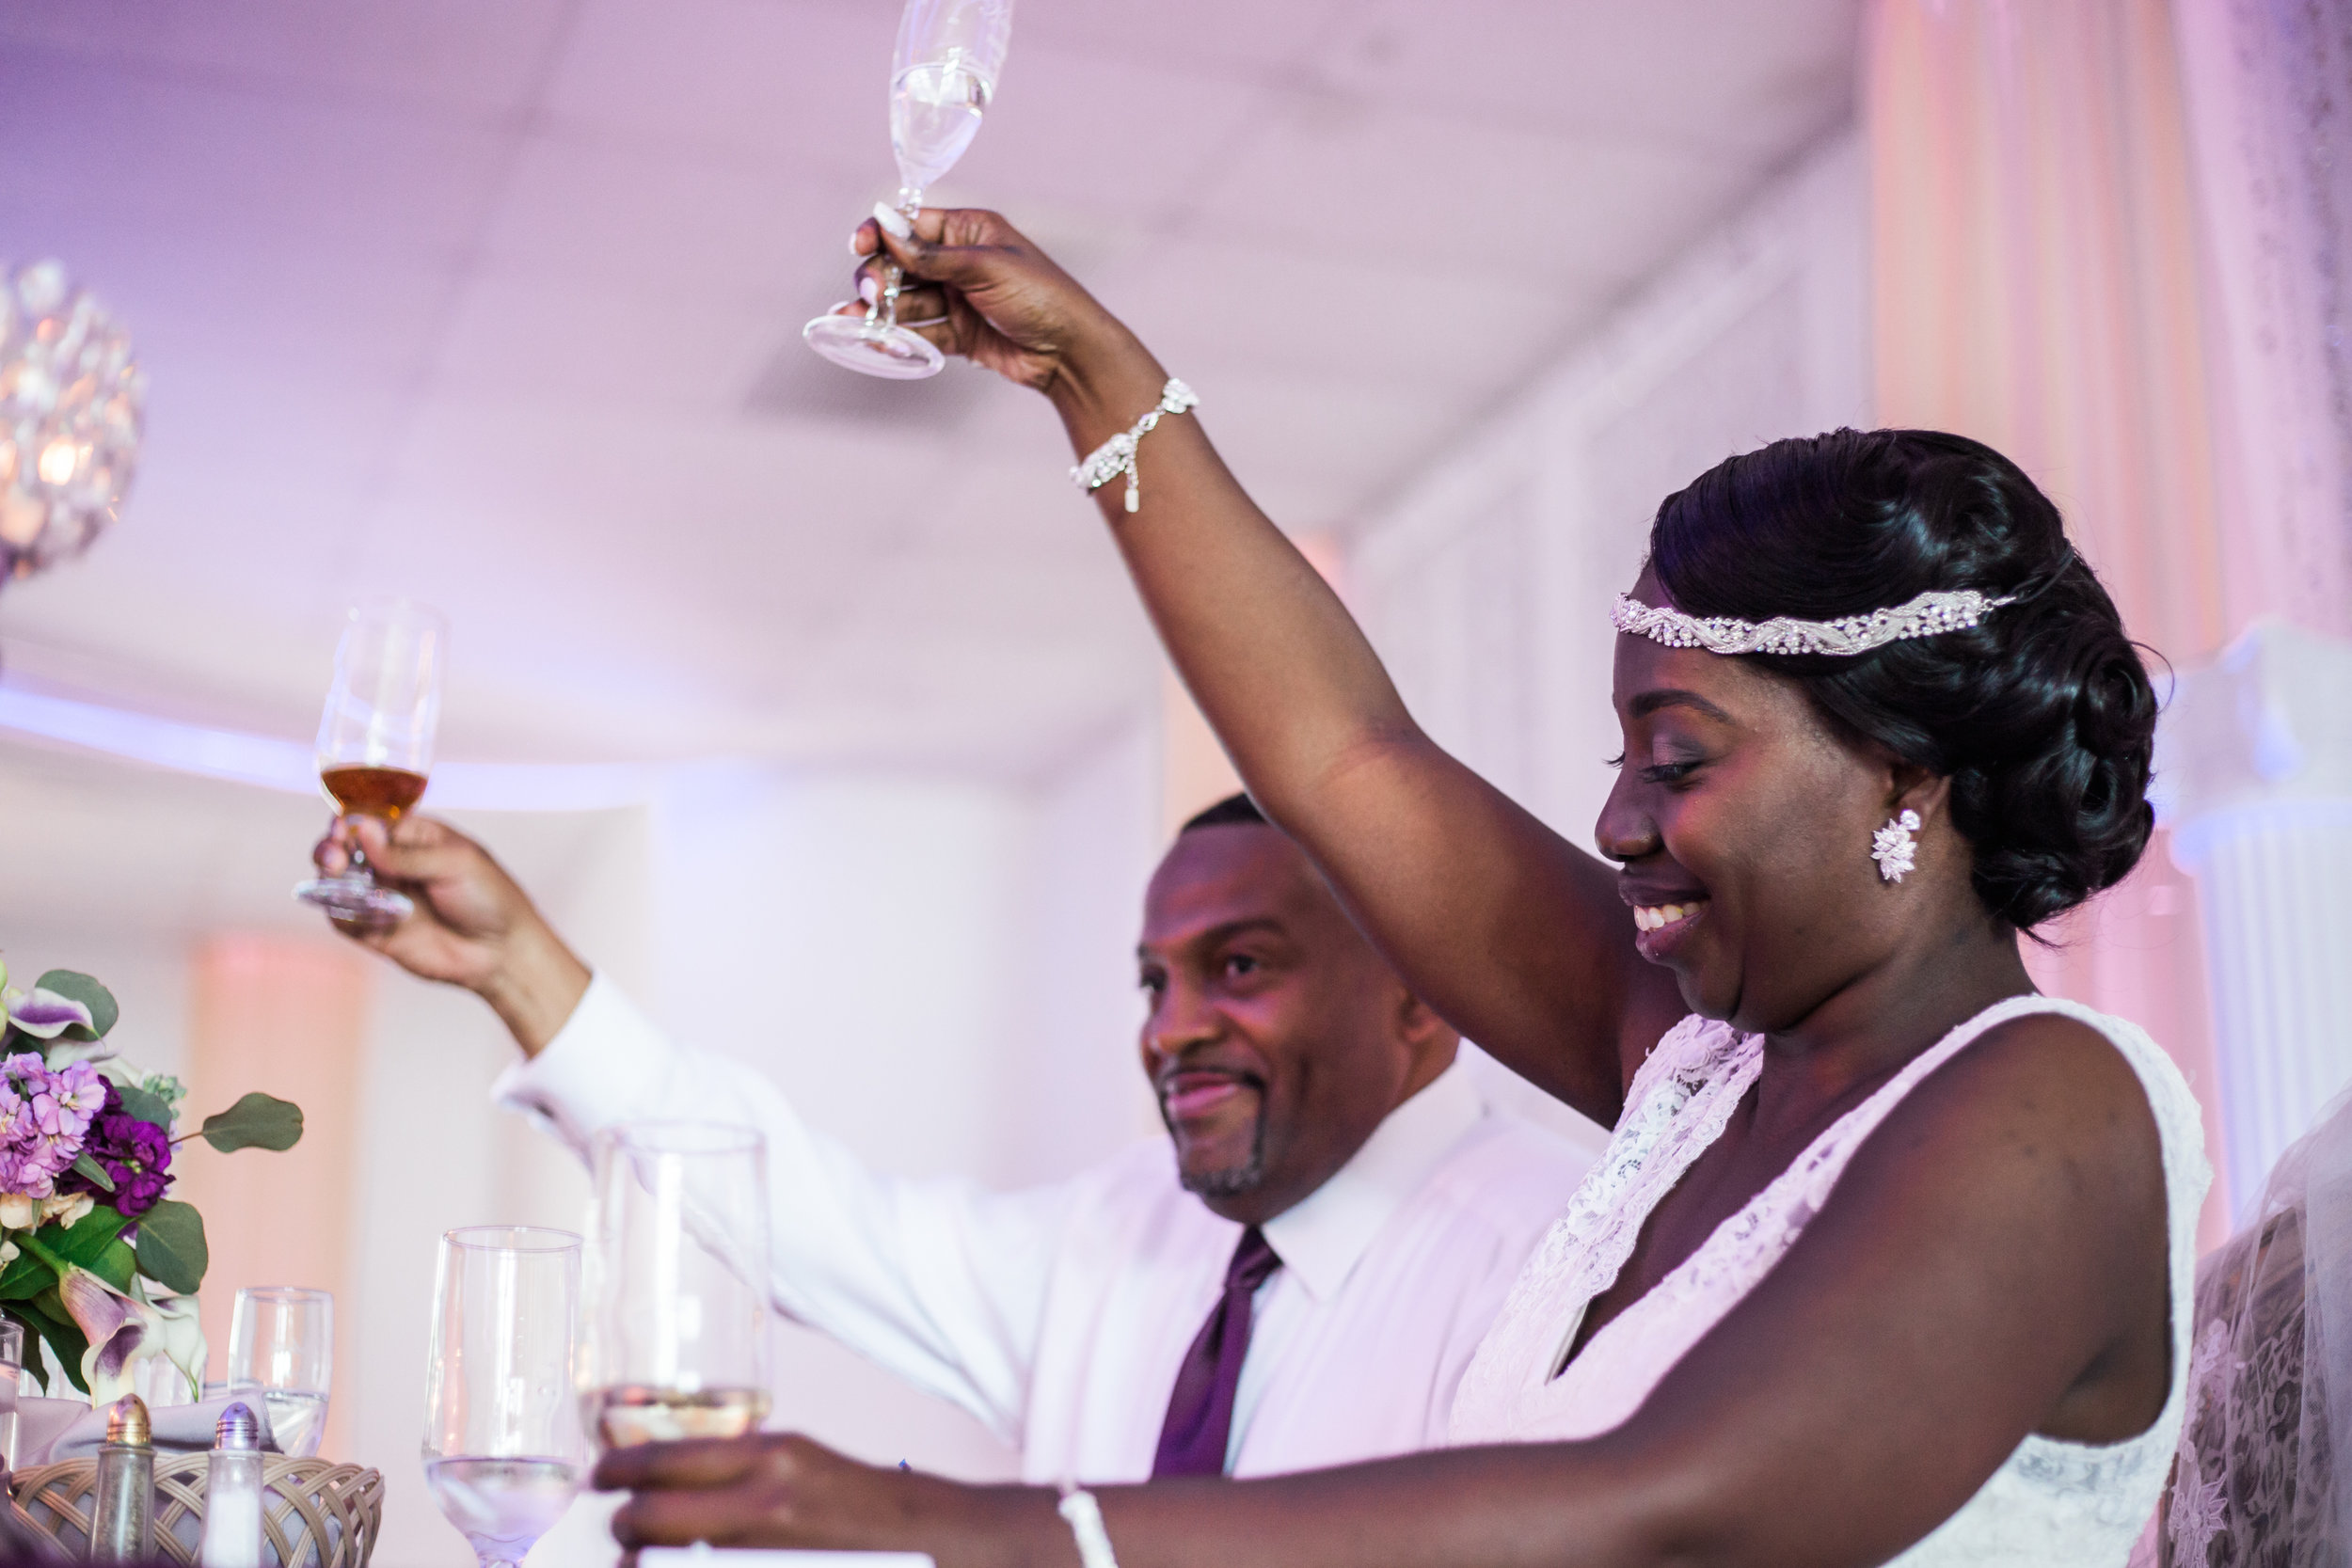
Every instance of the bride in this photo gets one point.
(1888, 1259)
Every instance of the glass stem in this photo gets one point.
(359, 869)
(910, 202)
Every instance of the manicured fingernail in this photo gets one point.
(868, 291)
(894, 220)
(853, 249)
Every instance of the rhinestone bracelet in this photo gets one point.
(1117, 455)
(1086, 1524)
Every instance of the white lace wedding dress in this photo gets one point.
(2050, 1505)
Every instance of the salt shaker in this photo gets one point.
(232, 1493)
(125, 1500)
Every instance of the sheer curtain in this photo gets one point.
(2112, 238)
(2270, 97)
(2034, 244)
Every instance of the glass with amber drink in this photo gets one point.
(375, 741)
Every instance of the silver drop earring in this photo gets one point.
(1892, 846)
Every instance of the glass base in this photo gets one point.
(356, 898)
(871, 348)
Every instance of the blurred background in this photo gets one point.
(817, 709)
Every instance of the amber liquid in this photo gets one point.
(633, 1413)
(385, 792)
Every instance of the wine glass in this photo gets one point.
(942, 75)
(375, 740)
(677, 1283)
(281, 1358)
(504, 1449)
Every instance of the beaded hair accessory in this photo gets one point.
(1938, 610)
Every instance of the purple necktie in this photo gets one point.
(1200, 1409)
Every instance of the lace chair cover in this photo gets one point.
(2262, 1477)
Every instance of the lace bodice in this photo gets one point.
(2050, 1504)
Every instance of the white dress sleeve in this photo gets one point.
(938, 1282)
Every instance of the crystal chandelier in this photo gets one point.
(70, 395)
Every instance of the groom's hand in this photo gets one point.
(474, 927)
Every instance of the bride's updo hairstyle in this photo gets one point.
(2042, 715)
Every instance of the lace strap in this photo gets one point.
(1747, 1245)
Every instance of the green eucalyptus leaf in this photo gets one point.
(47, 1314)
(87, 1237)
(115, 1264)
(171, 1248)
(257, 1121)
(86, 1166)
(25, 1277)
(90, 994)
(144, 1104)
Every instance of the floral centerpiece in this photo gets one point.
(96, 1263)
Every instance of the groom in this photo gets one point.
(1299, 1286)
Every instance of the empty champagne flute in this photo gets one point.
(281, 1360)
(375, 740)
(504, 1452)
(942, 75)
(677, 1283)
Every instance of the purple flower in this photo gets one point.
(134, 1153)
(45, 1116)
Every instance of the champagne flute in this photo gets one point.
(504, 1449)
(375, 740)
(677, 1283)
(942, 75)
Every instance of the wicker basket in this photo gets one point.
(314, 1512)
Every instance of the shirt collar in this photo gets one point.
(1320, 1237)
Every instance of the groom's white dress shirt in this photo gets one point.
(1058, 1314)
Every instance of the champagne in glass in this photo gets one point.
(375, 740)
(677, 1283)
(942, 76)
(503, 1447)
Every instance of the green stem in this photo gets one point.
(24, 1239)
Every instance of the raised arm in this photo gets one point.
(938, 1282)
(1514, 934)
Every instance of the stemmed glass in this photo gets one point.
(942, 75)
(375, 740)
(677, 1283)
(504, 1449)
(281, 1356)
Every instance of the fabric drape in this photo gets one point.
(2034, 245)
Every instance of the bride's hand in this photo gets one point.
(976, 287)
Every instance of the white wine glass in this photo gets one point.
(942, 75)
(281, 1359)
(375, 740)
(677, 1283)
(504, 1452)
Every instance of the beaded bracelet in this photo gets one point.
(1086, 1522)
(1117, 455)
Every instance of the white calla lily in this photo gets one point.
(44, 1014)
(126, 1328)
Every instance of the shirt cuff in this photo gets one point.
(608, 1064)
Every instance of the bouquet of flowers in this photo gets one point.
(96, 1263)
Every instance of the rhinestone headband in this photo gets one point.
(1938, 610)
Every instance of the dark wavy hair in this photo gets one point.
(2042, 715)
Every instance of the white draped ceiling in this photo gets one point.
(495, 301)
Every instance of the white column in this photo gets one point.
(2254, 762)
